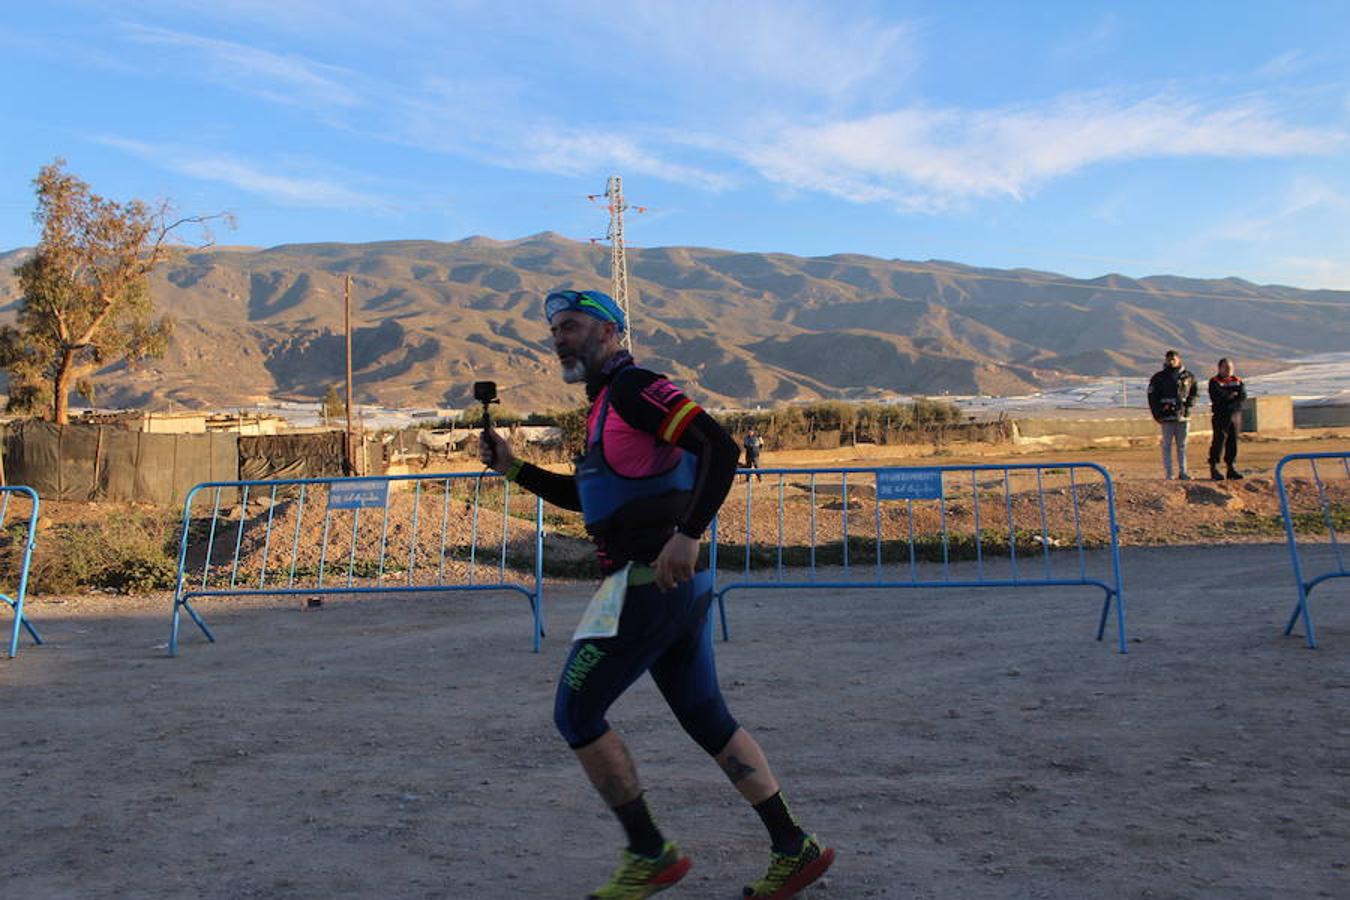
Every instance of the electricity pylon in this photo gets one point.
(618, 253)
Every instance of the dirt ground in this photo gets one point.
(950, 743)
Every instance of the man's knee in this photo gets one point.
(580, 704)
(574, 722)
(709, 723)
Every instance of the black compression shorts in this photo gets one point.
(667, 633)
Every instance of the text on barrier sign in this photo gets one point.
(358, 495)
(909, 484)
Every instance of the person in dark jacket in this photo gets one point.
(1171, 394)
(1227, 394)
(753, 444)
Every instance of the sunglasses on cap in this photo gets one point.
(592, 303)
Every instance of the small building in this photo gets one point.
(147, 422)
(245, 423)
(185, 422)
(1268, 415)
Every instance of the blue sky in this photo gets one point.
(1193, 138)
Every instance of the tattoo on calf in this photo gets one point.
(736, 770)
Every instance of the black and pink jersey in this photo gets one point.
(646, 428)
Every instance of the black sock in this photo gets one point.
(787, 836)
(644, 838)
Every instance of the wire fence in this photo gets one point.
(18, 535)
(395, 534)
(1315, 506)
(1008, 526)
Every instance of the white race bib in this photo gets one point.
(601, 618)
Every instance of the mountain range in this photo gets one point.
(737, 329)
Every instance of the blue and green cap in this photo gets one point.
(592, 303)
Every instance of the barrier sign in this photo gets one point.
(909, 484)
(358, 495)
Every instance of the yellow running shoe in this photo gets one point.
(789, 874)
(642, 876)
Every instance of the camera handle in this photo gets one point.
(486, 425)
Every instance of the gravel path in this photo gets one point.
(950, 743)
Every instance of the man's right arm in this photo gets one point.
(495, 452)
(560, 490)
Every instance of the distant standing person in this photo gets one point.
(1171, 394)
(1227, 394)
(753, 444)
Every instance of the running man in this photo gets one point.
(655, 472)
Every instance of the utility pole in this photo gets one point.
(347, 302)
(618, 252)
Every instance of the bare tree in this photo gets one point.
(86, 291)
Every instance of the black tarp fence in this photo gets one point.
(102, 462)
(273, 456)
(105, 462)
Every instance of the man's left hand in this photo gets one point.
(676, 561)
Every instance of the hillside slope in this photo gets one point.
(737, 328)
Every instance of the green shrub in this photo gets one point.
(126, 553)
(140, 574)
(798, 425)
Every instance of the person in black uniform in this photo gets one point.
(656, 469)
(1227, 394)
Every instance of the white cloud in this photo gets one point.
(924, 158)
(1103, 30)
(789, 55)
(1110, 207)
(809, 47)
(1287, 63)
(287, 79)
(285, 189)
(483, 118)
(11, 39)
(368, 20)
(1315, 272)
(813, 47)
(488, 120)
(1271, 222)
(587, 151)
(1290, 236)
(60, 49)
(1087, 42)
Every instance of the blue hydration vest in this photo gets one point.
(604, 492)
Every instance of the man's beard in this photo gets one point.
(574, 371)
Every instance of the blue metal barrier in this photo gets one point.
(24, 544)
(1018, 525)
(1314, 504)
(308, 537)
